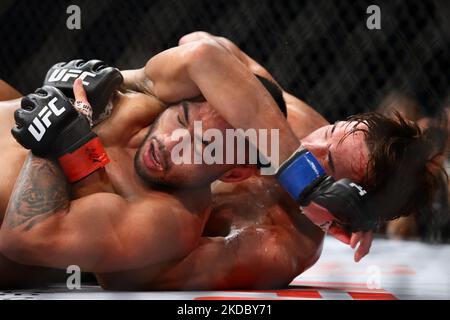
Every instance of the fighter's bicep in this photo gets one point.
(146, 233)
(79, 234)
(167, 74)
(90, 224)
(106, 233)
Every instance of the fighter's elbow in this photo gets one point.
(204, 51)
(3, 243)
(27, 247)
(13, 246)
(194, 36)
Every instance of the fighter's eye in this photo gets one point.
(180, 121)
(331, 162)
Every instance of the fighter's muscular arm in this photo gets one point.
(136, 80)
(100, 233)
(297, 109)
(256, 258)
(205, 67)
(254, 66)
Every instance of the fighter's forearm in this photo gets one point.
(41, 220)
(216, 73)
(136, 80)
(298, 109)
(234, 262)
(41, 191)
(206, 68)
(191, 273)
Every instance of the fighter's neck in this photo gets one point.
(194, 199)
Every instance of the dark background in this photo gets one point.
(318, 50)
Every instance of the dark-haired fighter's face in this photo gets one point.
(341, 158)
(153, 161)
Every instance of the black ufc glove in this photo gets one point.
(347, 201)
(306, 181)
(99, 80)
(49, 126)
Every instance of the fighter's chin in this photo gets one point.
(152, 181)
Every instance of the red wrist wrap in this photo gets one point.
(83, 161)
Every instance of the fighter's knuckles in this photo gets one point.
(78, 63)
(96, 65)
(17, 134)
(45, 92)
(59, 64)
(27, 104)
(19, 117)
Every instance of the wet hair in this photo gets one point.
(405, 164)
(276, 93)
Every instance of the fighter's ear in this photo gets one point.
(239, 174)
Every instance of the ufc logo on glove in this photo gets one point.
(65, 75)
(42, 121)
(362, 192)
